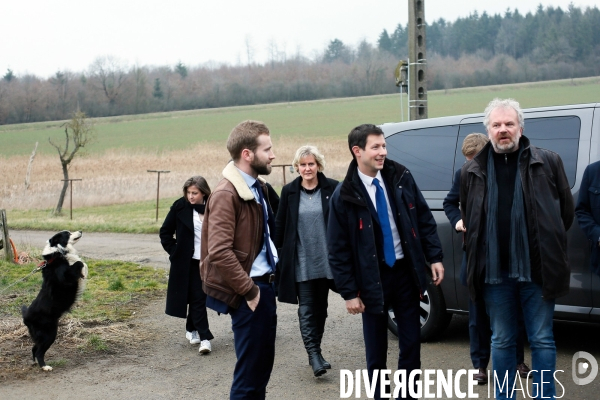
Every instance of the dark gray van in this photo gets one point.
(431, 150)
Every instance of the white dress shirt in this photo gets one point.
(372, 190)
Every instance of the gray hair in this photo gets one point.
(503, 103)
(306, 151)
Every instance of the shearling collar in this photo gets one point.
(232, 174)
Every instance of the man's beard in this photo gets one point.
(260, 168)
(505, 148)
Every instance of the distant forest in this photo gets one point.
(477, 50)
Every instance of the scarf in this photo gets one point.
(199, 208)
(519, 262)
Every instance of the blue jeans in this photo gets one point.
(501, 304)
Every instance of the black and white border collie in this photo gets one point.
(63, 283)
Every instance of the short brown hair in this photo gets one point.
(200, 183)
(245, 136)
(473, 143)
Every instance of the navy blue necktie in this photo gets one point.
(266, 238)
(384, 222)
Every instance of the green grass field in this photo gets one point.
(177, 130)
(334, 117)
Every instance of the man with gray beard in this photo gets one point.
(517, 205)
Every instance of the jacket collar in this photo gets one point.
(481, 159)
(296, 183)
(351, 187)
(186, 214)
(232, 174)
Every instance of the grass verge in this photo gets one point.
(99, 323)
(114, 290)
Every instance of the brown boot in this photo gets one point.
(481, 377)
(523, 370)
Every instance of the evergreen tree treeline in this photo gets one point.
(550, 43)
(549, 34)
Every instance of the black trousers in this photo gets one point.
(197, 318)
(401, 292)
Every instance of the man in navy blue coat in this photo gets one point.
(588, 211)
(381, 234)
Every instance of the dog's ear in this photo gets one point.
(61, 238)
(54, 240)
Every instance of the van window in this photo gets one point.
(428, 153)
(559, 134)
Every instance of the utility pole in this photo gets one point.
(417, 69)
(158, 187)
(401, 74)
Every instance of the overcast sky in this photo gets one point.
(45, 36)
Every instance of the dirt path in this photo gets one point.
(166, 366)
(141, 249)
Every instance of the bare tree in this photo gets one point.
(79, 131)
(61, 81)
(249, 49)
(273, 52)
(111, 74)
(141, 90)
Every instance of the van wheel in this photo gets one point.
(433, 315)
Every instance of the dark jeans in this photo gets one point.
(480, 334)
(254, 341)
(197, 319)
(401, 293)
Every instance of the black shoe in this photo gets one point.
(316, 362)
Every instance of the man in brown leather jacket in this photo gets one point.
(238, 257)
(517, 206)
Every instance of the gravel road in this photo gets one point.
(168, 367)
(141, 249)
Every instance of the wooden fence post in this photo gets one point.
(4, 240)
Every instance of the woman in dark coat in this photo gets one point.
(305, 277)
(185, 287)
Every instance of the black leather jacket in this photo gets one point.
(549, 210)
